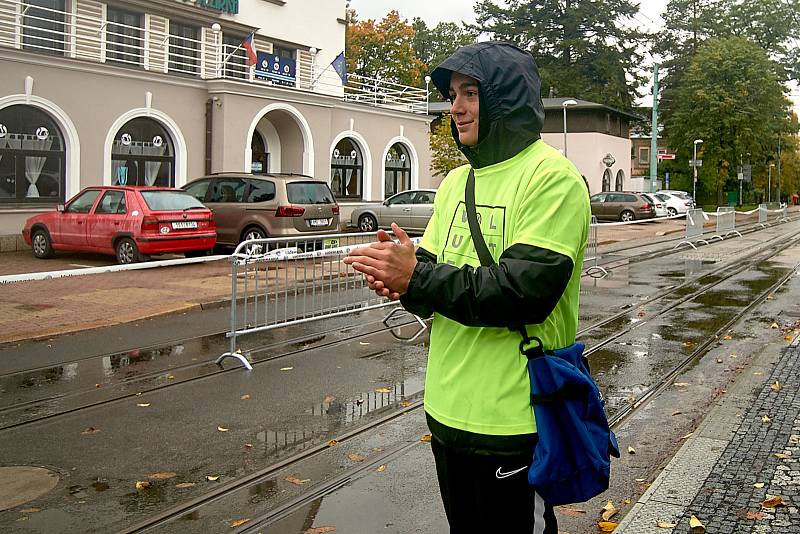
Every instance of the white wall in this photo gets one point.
(587, 150)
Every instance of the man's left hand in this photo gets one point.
(389, 264)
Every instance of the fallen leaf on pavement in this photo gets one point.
(355, 457)
(377, 449)
(142, 484)
(631, 450)
(405, 404)
(212, 478)
(222, 429)
(681, 384)
(239, 522)
(298, 481)
(381, 469)
(286, 368)
(570, 511)
(719, 360)
(332, 442)
(609, 511)
(758, 485)
(773, 502)
(696, 525)
(320, 530)
(248, 445)
(774, 325)
(170, 377)
(244, 397)
(626, 501)
(30, 510)
(91, 430)
(363, 342)
(664, 524)
(782, 456)
(162, 475)
(765, 419)
(677, 413)
(606, 526)
(183, 485)
(143, 404)
(757, 373)
(383, 390)
(689, 344)
(687, 436)
(788, 338)
(426, 437)
(727, 337)
(776, 387)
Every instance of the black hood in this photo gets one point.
(511, 111)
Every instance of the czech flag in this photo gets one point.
(250, 46)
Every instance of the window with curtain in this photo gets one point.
(32, 156)
(620, 180)
(607, 180)
(43, 26)
(124, 36)
(397, 172)
(347, 170)
(184, 48)
(143, 154)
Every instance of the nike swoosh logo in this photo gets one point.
(500, 474)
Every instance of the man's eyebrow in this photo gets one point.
(466, 85)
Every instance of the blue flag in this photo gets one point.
(340, 66)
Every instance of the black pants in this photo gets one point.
(487, 493)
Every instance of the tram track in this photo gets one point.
(616, 419)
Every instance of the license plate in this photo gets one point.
(184, 224)
(318, 222)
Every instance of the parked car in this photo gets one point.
(658, 204)
(250, 206)
(677, 203)
(411, 210)
(130, 222)
(621, 206)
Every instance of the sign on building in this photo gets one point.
(225, 6)
(279, 70)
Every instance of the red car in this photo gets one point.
(130, 222)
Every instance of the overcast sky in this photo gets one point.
(436, 11)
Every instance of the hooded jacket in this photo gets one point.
(534, 215)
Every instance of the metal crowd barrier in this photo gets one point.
(694, 228)
(278, 282)
(762, 215)
(784, 216)
(726, 223)
(591, 255)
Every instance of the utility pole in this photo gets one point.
(654, 133)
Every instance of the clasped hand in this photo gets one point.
(386, 265)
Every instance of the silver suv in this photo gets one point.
(270, 205)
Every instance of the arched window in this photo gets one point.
(607, 180)
(260, 163)
(32, 156)
(398, 170)
(142, 154)
(347, 170)
(620, 180)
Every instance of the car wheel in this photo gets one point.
(127, 251)
(672, 212)
(367, 223)
(626, 216)
(42, 246)
(254, 233)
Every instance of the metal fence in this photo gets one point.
(279, 282)
(763, 214)
(591, 255)
(726, 223)
(694, 228)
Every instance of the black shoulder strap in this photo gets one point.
(486, 260)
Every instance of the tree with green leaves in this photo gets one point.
(445, 155)
(382, 49)
(434, 45)
(732, 98)
(584, 48)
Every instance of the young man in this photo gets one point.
(534, 216)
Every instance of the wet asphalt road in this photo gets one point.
(308, 396)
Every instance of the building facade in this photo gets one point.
(160, 93)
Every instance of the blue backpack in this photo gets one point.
(571, 461)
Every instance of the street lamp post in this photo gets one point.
(694, 164)
(769, 183)
(565, 104)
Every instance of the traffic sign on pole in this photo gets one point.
(666, 156)
(695, 162)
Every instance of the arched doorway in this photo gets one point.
(143, 153)
(258, 146)
(32, 156)
(620, 181)
(607, 180)
(397, 173)
(347, 170)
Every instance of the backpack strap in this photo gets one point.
(485, 256)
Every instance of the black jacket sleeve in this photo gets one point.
(523, 288)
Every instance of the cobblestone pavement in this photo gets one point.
(760, 452)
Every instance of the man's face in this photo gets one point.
(464, 107)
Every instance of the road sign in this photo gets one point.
(747, 171)
(695, 162)
(666, 156)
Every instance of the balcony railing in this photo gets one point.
(85, 34)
